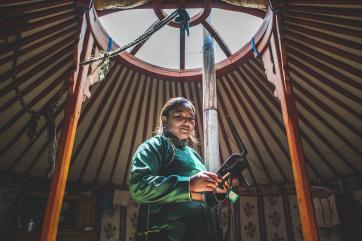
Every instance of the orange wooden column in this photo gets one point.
(75, 98)
(275, 63)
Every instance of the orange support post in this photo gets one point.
(73, 107)
(275, 63)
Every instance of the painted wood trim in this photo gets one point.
(280, 124)
(285, 94)
(72, 112)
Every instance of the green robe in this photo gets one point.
(160, 181)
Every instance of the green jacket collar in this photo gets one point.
(175, 140)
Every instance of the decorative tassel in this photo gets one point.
(104, 67)
(253, 47)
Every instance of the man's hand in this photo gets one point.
(226, 185)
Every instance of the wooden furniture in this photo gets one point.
(76, 223)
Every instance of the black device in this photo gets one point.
(232, 168)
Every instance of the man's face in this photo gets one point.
(180, 122)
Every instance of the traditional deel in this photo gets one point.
(159, 180)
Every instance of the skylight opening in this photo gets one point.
(235, 28)
(126, 26)
(163, 48)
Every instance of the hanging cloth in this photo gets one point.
(326, 211)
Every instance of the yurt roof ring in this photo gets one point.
(258, 42)
(195, 20)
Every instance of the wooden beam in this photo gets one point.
(33, 16)
(266, 89)
(106, 98)
(246, 131)
(72, 112)
(196, 97)
(34, 65)
(142, 84)
(21, 132)
(37, 46)
(136, 48)
(41, 23)
(148, 107)
(121, 112)
(315, 33)
(224, 132)
(331, 111)
(321, 91)
(309, 41)
(43, 34)
(32, 86)
(103, 102)
(325, 2)
(275, 62)
(328, 10)
(182, 48)
(24, 6)
(324, 62)
(217, 37)
(334, 150)
(327, 27)
(119, 89)
(299, 62)
(242, 94)
(337, 20)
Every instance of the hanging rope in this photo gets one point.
(146, 35)
(184, 19)
(47, 112)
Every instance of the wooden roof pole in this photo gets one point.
(275, 63)
(75, 98)
(209, 105)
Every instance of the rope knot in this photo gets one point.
(184, 18)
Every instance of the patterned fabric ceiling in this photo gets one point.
(324, 49)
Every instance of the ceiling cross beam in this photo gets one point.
(182, 48)
(217, 38)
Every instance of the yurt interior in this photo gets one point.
(276, 83)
